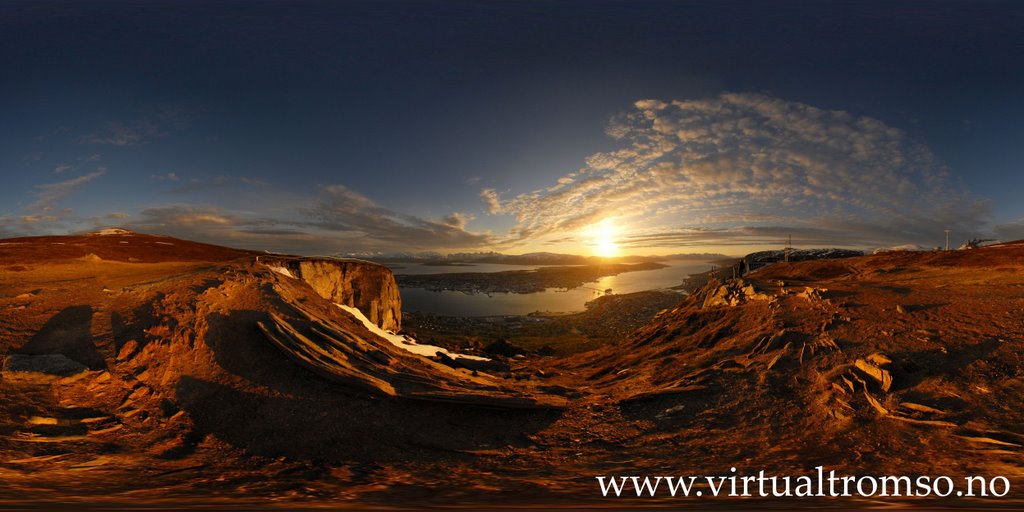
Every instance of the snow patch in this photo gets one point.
(900, 248)
(112, 231)
(163, 243)
(404, 342)
(281, 270)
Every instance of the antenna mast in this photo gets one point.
(947, 239)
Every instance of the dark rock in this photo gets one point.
(471, 364)
(490, 365)
(47, 364)
(502, 347)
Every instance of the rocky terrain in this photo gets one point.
(148, 371)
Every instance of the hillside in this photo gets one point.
(901, 363)
(143, 369)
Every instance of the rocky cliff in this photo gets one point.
(361, 284)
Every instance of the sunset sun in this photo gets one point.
(604, 237)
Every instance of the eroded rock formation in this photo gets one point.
(368, 286)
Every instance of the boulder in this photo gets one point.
(882, 377)
(501, 347)
(733, 293)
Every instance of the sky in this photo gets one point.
(590, 127)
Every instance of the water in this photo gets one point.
(419, 268)
(456, 303)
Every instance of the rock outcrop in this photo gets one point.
(368, 286)
(731, 293)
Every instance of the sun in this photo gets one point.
(605, 235)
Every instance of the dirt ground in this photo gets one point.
(893, 364)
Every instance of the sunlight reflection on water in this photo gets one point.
(456, 303)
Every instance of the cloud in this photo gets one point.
(344, 210)
(171, 176)
(50, 193)
(492, 199)
(123, 133)
(339, 220)
(215, 225)
(1009, 231)
(61, 168)
(154, 124)
(751, 168)
(95, 157)
(187, 216)
(458, 219)
(32, 219)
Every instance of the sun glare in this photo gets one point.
(604, 236)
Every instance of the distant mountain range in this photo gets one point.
(533, 258)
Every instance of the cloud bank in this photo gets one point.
(339, 220)
(343, 210)
(746, 169)
(48, 194)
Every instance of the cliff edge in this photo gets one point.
(368, 286)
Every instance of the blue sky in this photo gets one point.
(322, 127)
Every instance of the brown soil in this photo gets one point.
(188, 402)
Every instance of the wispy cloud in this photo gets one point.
(492, 199)
(171, 176)
(344, 210)
(1013, 230)
(743, 168)
(155, 125)
(50, 193)
(237, 229)
(62, 168)
(123, 133)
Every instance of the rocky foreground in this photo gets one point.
(151, 371)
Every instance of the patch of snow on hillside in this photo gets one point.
(281, 270)
(112, 231)
(899, 248)
(163, 243)
(404, 342)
